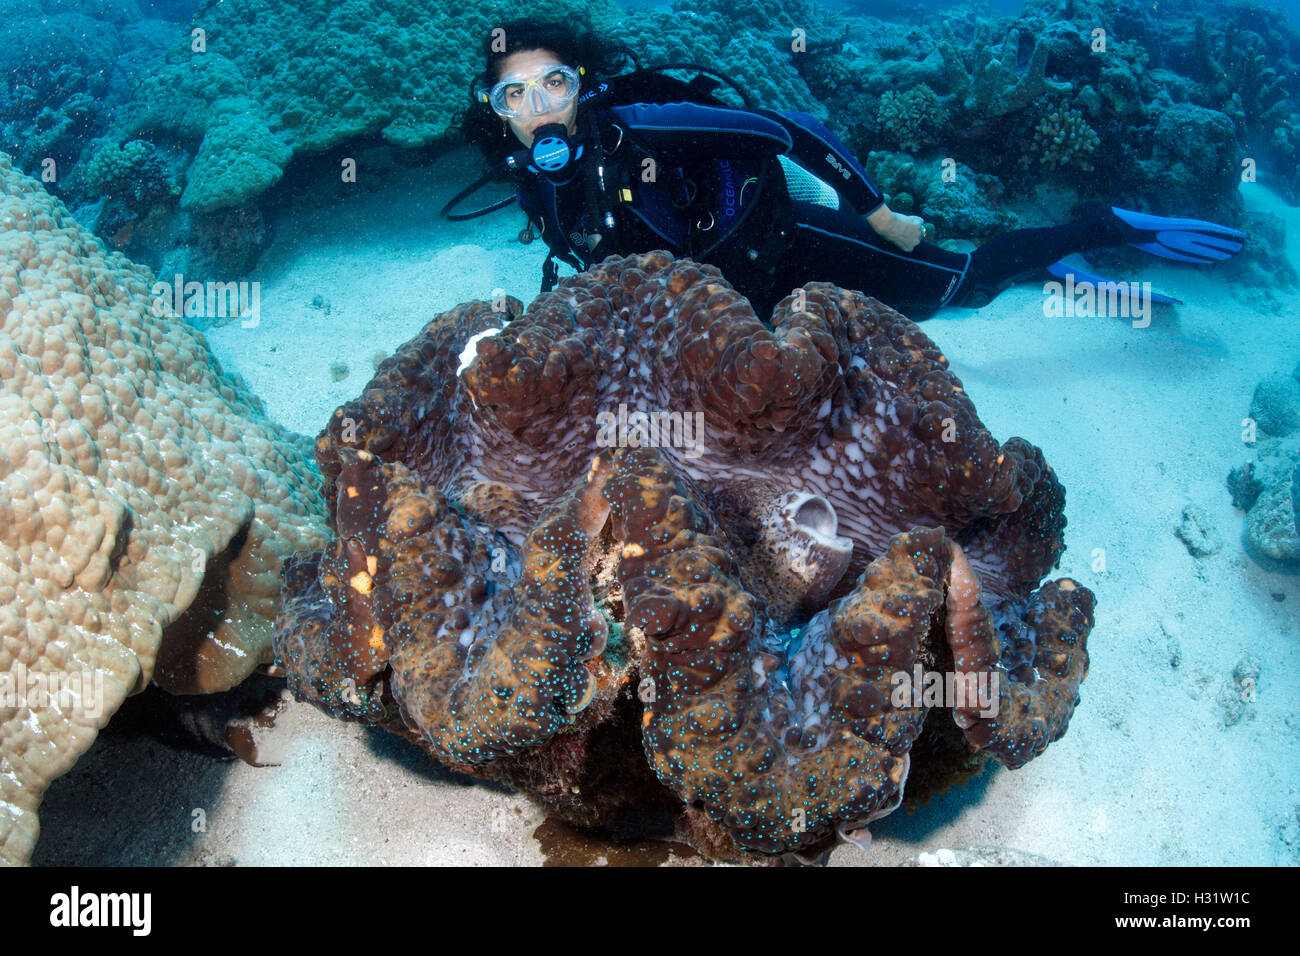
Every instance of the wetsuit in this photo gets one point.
(841, 247)
(717, 194)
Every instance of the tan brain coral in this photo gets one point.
(146, 502)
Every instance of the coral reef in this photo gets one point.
(1268, 488)
(275, 79)
(1235, 70)
(57, 65)
(635, 521)
(146, 502)
(66, 66)
(995, 86)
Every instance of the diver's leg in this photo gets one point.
(840, 247)
(1022, 253)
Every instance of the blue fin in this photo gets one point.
(1062, 268)
(1182, 240)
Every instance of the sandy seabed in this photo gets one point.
(1137, 424)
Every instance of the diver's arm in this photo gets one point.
(903, 231)
(682, 132)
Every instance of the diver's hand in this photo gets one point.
(906, 232)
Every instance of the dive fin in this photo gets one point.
(1061, 269)
(1182, 240)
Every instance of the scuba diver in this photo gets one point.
(644, 161)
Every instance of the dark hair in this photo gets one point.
(579, 45)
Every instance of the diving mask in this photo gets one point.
(547, 90)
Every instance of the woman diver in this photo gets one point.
(644, 161)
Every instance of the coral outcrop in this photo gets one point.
(1195, 150)
(1268, 487)
(635, 550)
(755, 44)
(988, 81)
(146, 502)
(132, 171)
(1062, 137)
(960, 201)
(913, 117)
(276, 78)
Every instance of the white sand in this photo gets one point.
(1136, 422)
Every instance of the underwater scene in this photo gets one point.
(654, 433)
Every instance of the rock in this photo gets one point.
(1244, 486)
(1276, 405)
(1247, 669)
(1271, 526)
(1237, 696)
(1197, 533)
(1268, 488)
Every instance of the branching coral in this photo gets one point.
(1236, 73)
(732, 593)
(988, 83)
(145, 502)
(1062, 137)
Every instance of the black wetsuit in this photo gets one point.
(713, 164)
(841, 247)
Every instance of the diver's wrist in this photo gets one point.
(881, 218)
